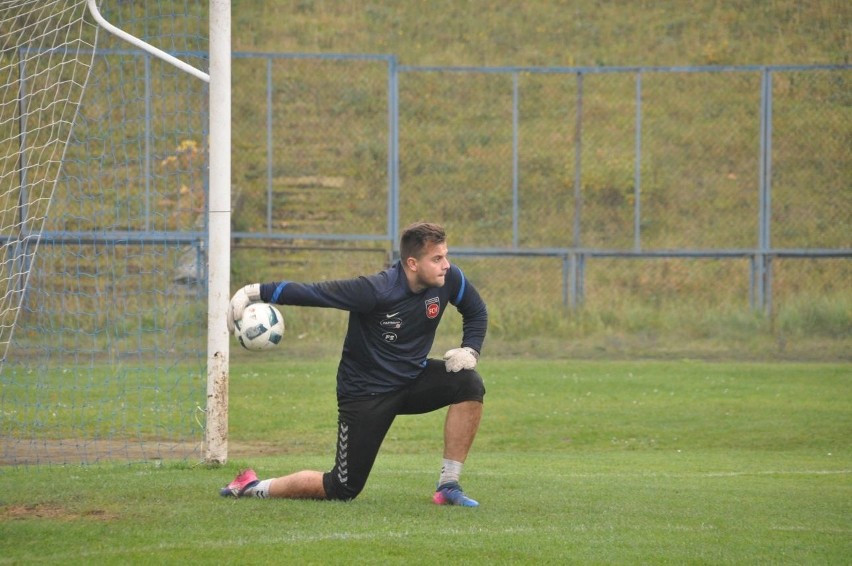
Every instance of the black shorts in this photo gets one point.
(364, 422)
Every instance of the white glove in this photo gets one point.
(241, 299)
(461, 358)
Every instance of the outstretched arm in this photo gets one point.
(356, 294)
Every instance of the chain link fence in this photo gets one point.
(656, 198)
(665, 203)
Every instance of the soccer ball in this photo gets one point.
(260, 328)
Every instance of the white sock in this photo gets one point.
(450, 471)
(261, 490)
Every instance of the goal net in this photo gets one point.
(46, 58)
(103, 314)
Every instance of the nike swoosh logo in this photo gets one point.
(392, 314)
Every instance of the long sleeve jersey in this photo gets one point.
(391, 329)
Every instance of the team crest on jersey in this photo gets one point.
(433, 307)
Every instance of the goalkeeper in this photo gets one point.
(384, 370)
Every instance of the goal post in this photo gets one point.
(219, 237)
(219, 214)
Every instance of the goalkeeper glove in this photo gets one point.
(241, 299)
(458, 359)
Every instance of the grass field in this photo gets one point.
(592, 462)
(576, 462)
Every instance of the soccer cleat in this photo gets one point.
(244, 480)
(452, 494)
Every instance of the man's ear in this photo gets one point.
(411, 263)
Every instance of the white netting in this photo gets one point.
(107, 356)
(47, 50)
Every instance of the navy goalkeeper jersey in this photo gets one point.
(391, 329)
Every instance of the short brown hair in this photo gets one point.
(417, 236)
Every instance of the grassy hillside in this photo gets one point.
(554, 32)
(699, 147)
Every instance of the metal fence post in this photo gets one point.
(576, 285)
(393, 157)
(515, 164)
(148, 134)
(269, 152)
(765, 209)
(578, 161)
(637, 167)
(572, 279)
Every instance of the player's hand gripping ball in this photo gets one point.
(241, 299)
(260, 328)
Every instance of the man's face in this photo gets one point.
(431, 268)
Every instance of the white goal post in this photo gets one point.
(219, 215)
(219, 210)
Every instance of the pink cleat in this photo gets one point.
(244, 480)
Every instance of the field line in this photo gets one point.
(491, 473)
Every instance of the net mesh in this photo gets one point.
(46, 58)
(107, 360)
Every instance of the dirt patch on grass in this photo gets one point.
(71, 451)
(51, 511)
(75, 452)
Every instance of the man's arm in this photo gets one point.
(473, 310)
(349, 294)
(356, 294)
(474, 324)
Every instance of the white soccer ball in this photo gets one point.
(260, 328)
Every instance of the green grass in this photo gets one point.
(576, 462)
(556, 32)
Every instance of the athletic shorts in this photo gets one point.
(364, 422)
